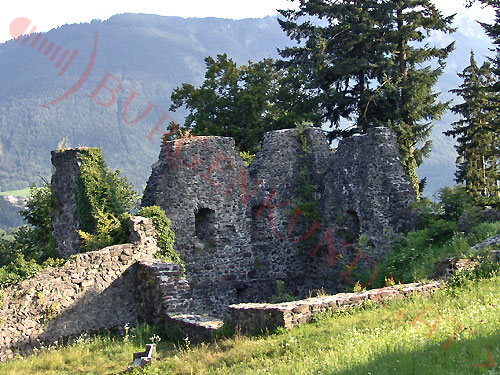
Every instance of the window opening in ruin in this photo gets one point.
(205, 225)
(242, 294)
(352, 225)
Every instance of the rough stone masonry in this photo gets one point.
(239, 228)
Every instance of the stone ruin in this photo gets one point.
(291, 215)
(238, 228)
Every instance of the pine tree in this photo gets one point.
(477, 165)
(366, 63)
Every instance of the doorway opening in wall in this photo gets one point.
(205, 225)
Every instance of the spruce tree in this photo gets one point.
(477, 165)
(412, 103)
(493, 87)
(341, 51)
(368, 62)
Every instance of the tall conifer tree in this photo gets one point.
(477, 164)
(367, 62)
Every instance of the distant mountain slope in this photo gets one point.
(151, 55)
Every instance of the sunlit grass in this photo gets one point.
(17, 193)
(448, 337)
(445, 334)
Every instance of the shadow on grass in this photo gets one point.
(477, 355)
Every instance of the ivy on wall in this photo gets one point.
(166, 236)
(306, 202)
(103, 201)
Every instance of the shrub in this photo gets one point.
(454, 201)
(280, 295)
(481, 268)
(166, 236)
(426, 212)
(413, 256)
(103, 202)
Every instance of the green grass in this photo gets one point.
(17, 193)
(413, 259)
(402, 337)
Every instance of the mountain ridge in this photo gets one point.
(151, 55)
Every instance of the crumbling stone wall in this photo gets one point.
(240, 229)
(289, 162)
(65, 223)
(92, 291)
(162, 291)
(366, 189)
(258, 317)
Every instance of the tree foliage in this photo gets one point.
(243, 102)
(367, 64)
(477, 164)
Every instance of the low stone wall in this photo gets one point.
(92, 291)
(256, 317)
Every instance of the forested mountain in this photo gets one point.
(150, 55)
(9, 215)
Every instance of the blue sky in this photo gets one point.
(52, 13)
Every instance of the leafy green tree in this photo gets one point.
(477, 165)
(243, 102)
(365, 63)
(33, 241)
(37, 215)
(32, 245)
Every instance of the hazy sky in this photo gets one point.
(52, 13)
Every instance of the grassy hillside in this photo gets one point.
(454, 332)
(17, 193)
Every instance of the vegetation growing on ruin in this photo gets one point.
(103, 202)
(247, 157)
(306, 205)
(165, 235)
